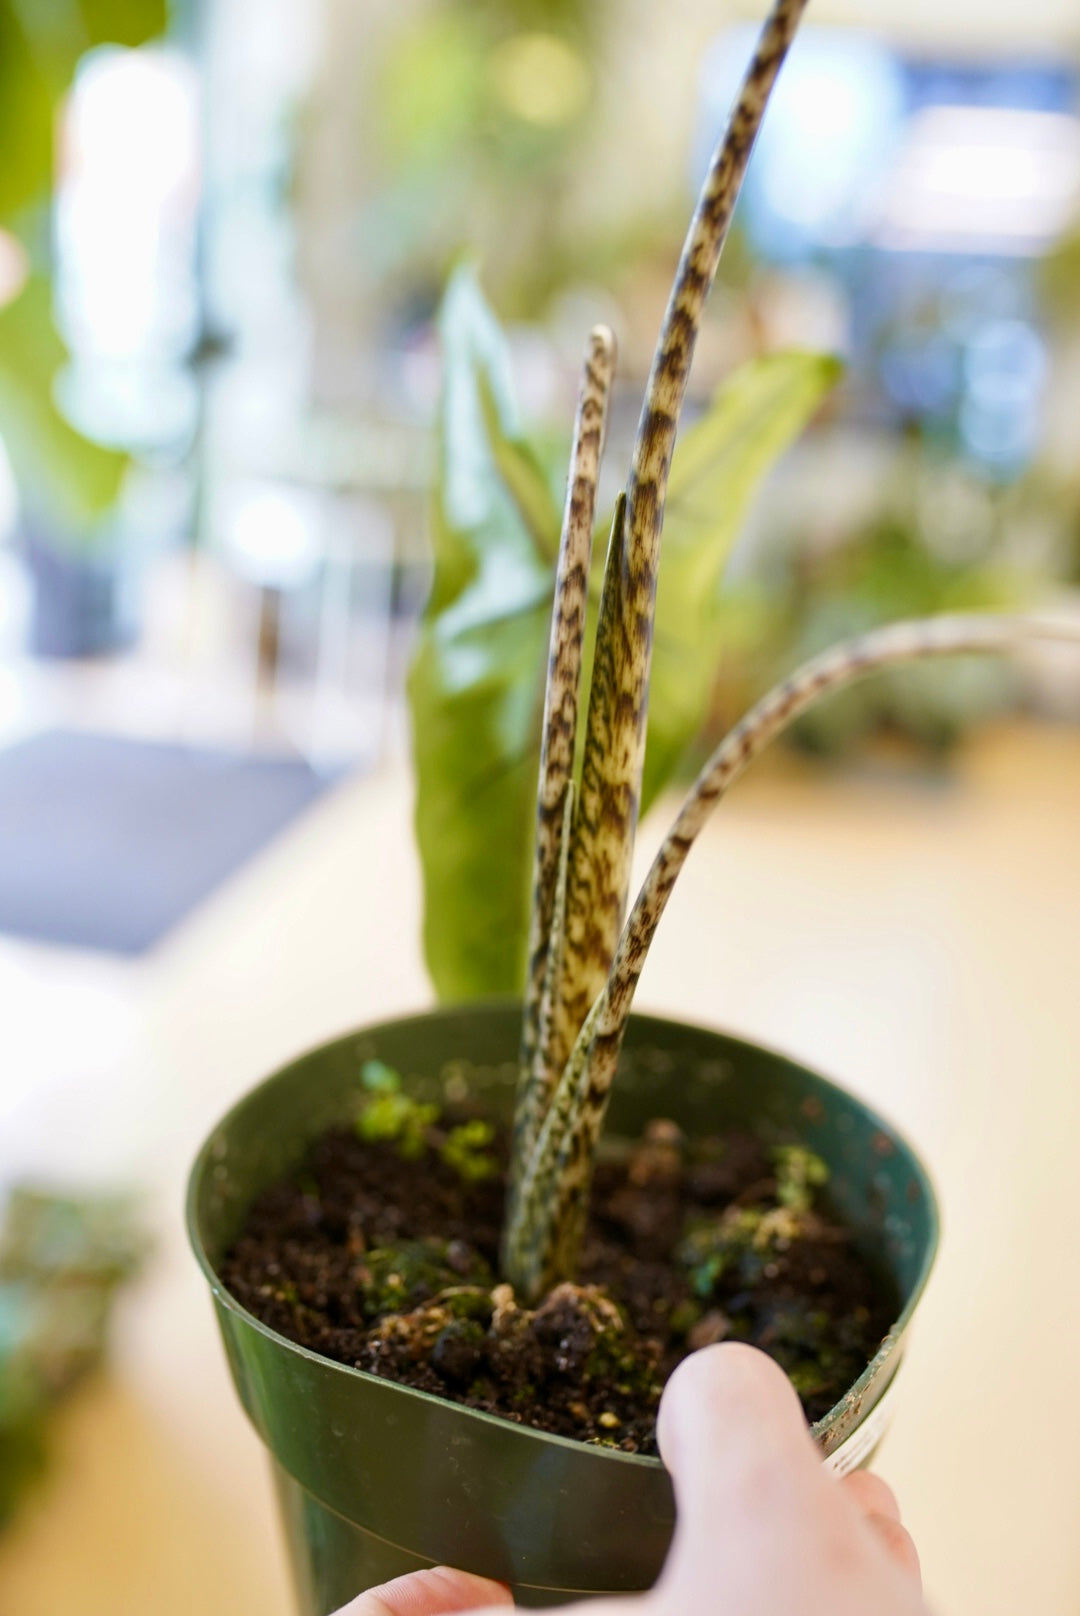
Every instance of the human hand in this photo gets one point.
(762, 1525)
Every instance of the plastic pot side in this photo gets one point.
(376, 1479)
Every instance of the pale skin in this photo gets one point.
(763, 1527)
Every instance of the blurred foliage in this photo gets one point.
(718, 465)
(64, 480)
(934, 544)
(476, 686)
(41, 42)
(1058, 491)
(62, 1260)
(1059, 281)
(484, 113)
(61, 476)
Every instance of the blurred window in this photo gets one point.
(927, 191)
(126, 230)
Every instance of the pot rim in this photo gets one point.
(820, 1430)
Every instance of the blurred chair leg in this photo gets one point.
(267, 655)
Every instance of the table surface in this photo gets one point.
(913, 937)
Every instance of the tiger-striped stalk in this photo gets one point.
(538, 1080)
(606, 816)
(554, 806)
(543, 1241)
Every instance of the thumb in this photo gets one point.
(732, 1434)
(435, 1592)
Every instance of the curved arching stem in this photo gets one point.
(543, 1243)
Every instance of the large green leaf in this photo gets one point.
(715, 472)
(124, 22)
(60, 474)
(476, 687)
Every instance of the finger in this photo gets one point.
(871, 1495)
(732, 1433)
(898, 1543)
(437, 1591)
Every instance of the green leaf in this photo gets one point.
(717, 469)
(59, 473)
(476, 686)
(523, 478)
(124, 22)
(378, 1078)
(27, 110)
(41, 42)
(465, 1149)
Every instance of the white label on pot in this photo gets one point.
(865, 1437)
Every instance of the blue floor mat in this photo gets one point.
(107, 842)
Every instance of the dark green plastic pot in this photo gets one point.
(376, 1479)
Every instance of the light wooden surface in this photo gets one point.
(916, 941)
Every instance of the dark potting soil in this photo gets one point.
(390, 1264)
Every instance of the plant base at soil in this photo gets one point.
(387, 1261)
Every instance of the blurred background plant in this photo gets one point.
(934, 538)
(69, 483)
(486, 111)
(62, 1261)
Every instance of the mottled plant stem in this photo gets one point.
(537, 1082)
(602, 833)
(606, 817)
(543, 1245)
(559, 733)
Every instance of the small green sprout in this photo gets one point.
(798, 1174)
(391, 1117)
(715, 1246)
(465, 1149)
(744, 1240)
(378, 1078)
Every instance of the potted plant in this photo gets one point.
(446, 1358)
